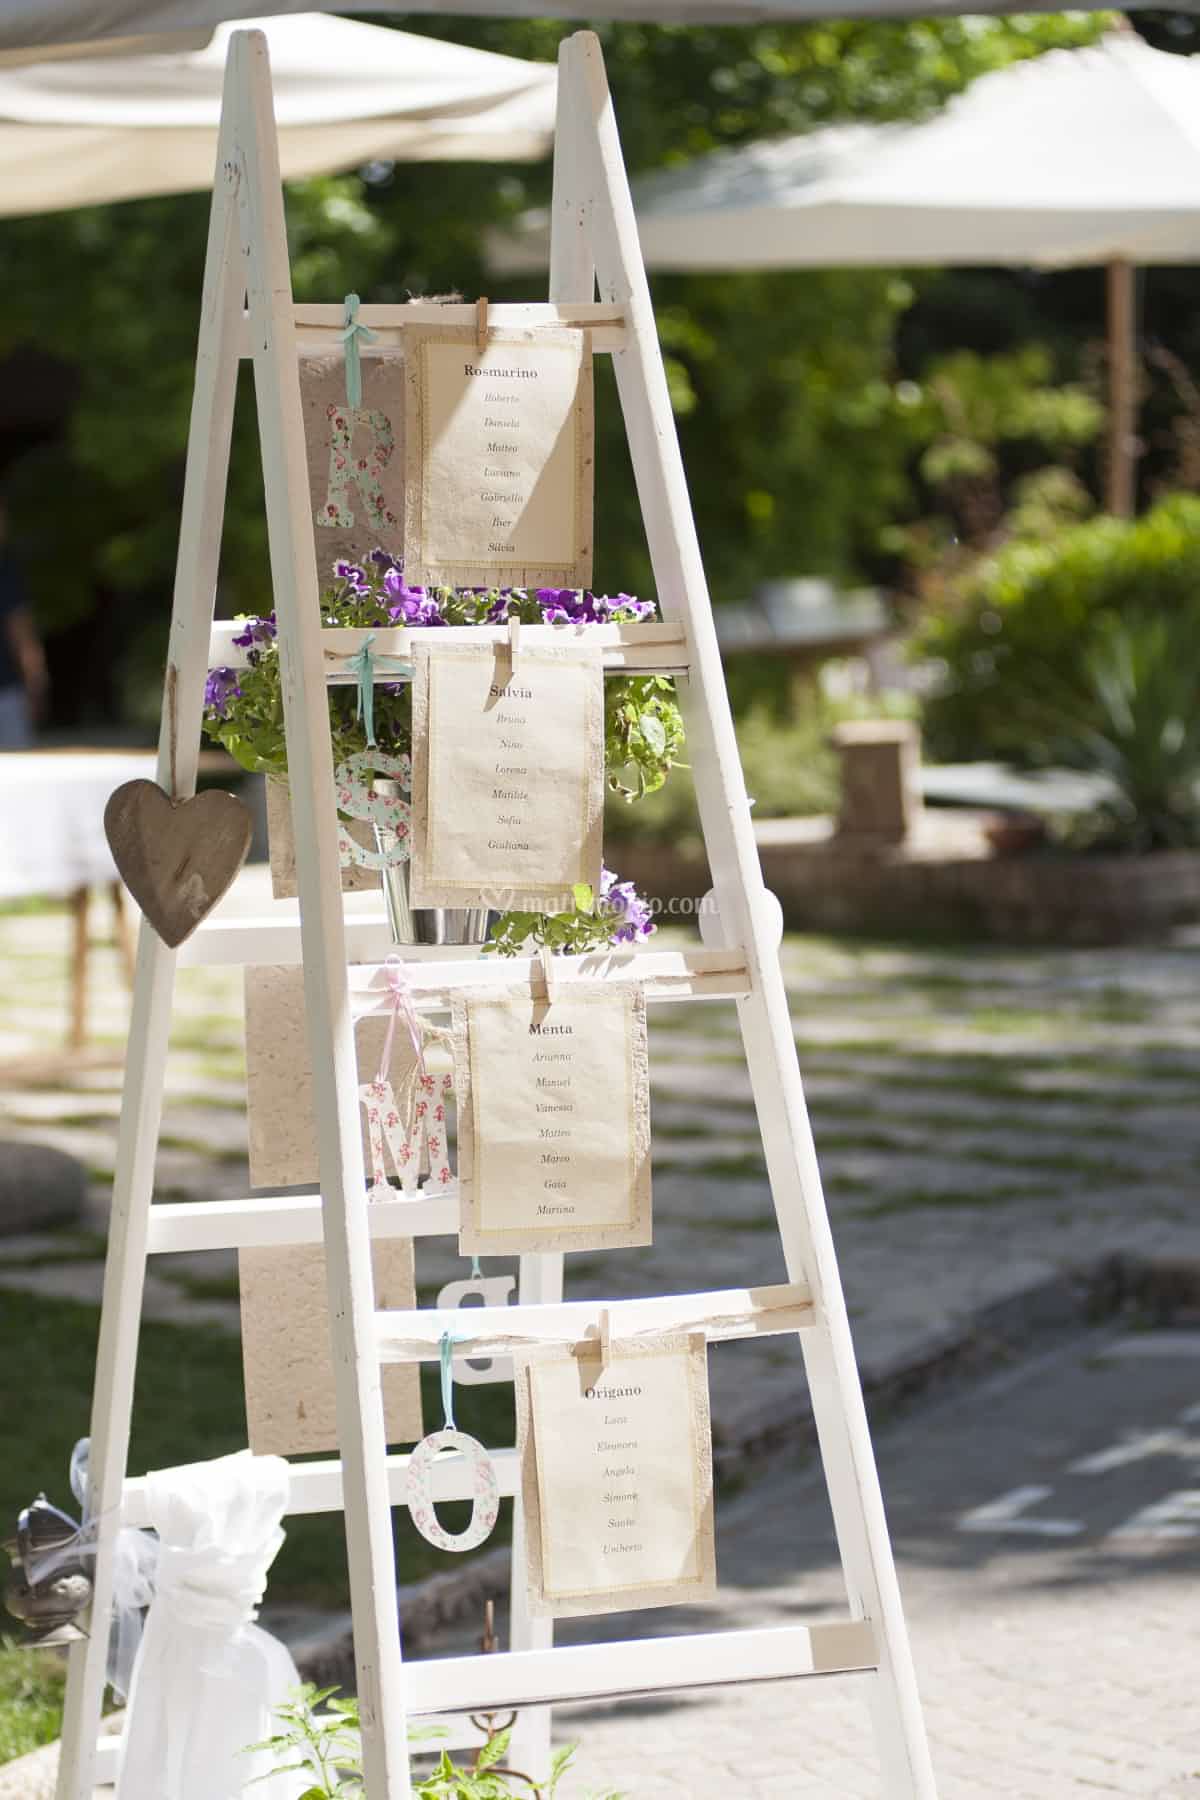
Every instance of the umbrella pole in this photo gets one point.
(1122, 388)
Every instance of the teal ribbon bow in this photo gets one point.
(362, 666)
(354, 335)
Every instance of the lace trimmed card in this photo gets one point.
(508, 776)
(616, 1475)
(553, 1118)
(499, 457)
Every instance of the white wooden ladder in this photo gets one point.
(594, 240)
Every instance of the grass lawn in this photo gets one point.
(188, 1407)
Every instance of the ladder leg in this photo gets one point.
(541, 1285)
(572, 277)
(361, 1434)
(737, 879)
(141, 1106)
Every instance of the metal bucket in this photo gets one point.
(426, 924)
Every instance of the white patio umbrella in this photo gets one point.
(1076, 157)
(109, 127)
(26, 24)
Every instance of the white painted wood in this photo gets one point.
(108, 1749)
(669, 975)
(318, 326)
(205, 476)
(666, 974)
(319, 1487)
(265, 1220)
(593, 217)
(630, 649)
(737, 880)
(651, 1665)
(331, 1029)
(276, 939)
(723, 1315)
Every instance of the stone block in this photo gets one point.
(39, 1186)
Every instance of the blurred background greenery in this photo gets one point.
(934, 433)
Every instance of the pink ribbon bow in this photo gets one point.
(400, 988)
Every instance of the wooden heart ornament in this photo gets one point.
(176, 857)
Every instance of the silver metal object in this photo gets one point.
(47, 1604)
(422, 925)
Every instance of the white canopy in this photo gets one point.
(110, 127)
(40, 23)
(1075, 157)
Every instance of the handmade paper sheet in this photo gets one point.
(281, 846)
(553, 1118)
(616, 1475)
(499, 457)
(355, 456)
(286, 1347)
(279, 1083)
(508, 776)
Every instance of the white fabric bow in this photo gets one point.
(207, 1680)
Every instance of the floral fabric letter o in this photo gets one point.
(485, 1491)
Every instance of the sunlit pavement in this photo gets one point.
(1047, 1528)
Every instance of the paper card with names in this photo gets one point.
(616, 1475)
(508, 775)
(553, 1118)
(499, 457)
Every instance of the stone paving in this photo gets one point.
(1056, 1638)
(985, 1119)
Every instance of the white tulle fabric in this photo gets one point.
(206, 1678)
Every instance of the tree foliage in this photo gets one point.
(798, 432)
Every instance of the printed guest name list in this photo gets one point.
(509, 762)
(623, 1476)
(556, 1153)
(505, 455)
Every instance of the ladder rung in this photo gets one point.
(726, 1314)
(316, 1487)
(267, 1219)
(667, 974)
(572, 1672)
(652, 648)
(319, 324)
(277, 940)
(108, 1752)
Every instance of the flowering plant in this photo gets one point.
(644, 735)
(244, 707)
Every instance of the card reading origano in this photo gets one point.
(553, 1118)
(616, 1475)
(499, 457)
(508, 776)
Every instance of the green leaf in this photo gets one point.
(654, 732)
(585, 896)
(493, 1750)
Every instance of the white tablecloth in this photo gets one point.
(52, 817)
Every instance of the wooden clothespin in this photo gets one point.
(514, 640)
(481, 323)
(605, 1338)
(545, 959)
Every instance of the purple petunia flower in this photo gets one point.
(621, 899)
(218, 689)
(354, 576)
